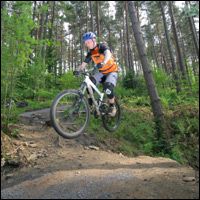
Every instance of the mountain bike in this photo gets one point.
(70, 111)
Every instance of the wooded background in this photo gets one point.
(34, 34)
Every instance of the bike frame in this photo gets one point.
(88, 84)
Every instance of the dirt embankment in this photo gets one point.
(46, 166)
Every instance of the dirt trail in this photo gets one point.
(83, 169)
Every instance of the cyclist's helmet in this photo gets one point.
(88, 35)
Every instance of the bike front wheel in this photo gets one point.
(70, 114)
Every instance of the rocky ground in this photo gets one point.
(42, 165)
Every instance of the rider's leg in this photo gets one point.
(108, 88)
(96, 79)
(109, 85)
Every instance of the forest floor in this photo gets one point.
(45, 166)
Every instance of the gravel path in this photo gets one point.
(77, 171)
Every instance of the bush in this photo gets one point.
(137, 83)
(122, 92)
(43, 94)
(49, 80)
(184, 126)
(68, 81)
(162, 79)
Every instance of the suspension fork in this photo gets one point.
(91, 94)
(77, 102)
(83, 88)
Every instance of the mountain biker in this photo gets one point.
(108, 69)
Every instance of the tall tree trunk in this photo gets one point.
(160, 44)
(127, 37)
(72, 53)
(98, 19)
(61, 56)
(109, 33)
(34, 31)
(163, 59)
(50, 48)
(164, 63)
(52, 20)
(180, 57)
(45, 31)
(161, 129)
(131, 60)
(185, 57)
(125, 45)
(81, 44)
(86, 15)
(41, 29)
(91, 14)
(34, 14)
(154, 56)
(2, 27)
(137, 69)
(121, 54)
(195, 70)
(155, 100)
(194, 33)
(3, 4)
(175, 76)
(137, 11)
(69, 54)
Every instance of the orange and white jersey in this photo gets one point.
(97, 55)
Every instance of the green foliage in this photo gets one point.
(134, 82)
(43, 94)
(130, 97)
(142, 101)
(15, 133)
(170, 98)
(167, 92)
(133, 85)
(49, 80)
(177, 154)
(137, 131)
(68, 81)
(138, 128)
(183, 122)
(128, 148)
(161, 79)
(16, 48)
(35, 105)
(193, 11)
(32, 79)
(122, 93)
(135, 134)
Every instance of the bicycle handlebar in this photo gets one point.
(82, 72)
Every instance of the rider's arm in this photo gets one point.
(106, 51)
(107, 57)
(85, 62)
(82, 66)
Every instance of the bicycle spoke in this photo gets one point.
(71, 114)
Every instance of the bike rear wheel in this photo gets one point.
(69, 114)
(112, 123)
